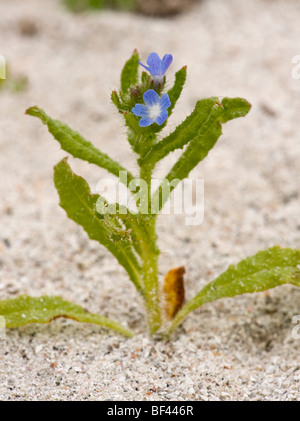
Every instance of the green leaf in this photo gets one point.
(175, 92)
(197, 130)
(199, 133)
(266, 269)
(80, 206)
(24, 310)
(209, 131)
(129, 75)
(234, 108)
(73, 143)
(188, 130)
(116, 101)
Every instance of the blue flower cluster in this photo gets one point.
(155, 108)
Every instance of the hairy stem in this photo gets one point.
(151, 290)
(150, 260)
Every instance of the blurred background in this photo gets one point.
(66, 57)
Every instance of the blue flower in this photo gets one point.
(158, 67)
(155, 109)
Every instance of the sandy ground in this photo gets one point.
(234, 349)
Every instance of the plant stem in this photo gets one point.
(151, 290)
(150, 261)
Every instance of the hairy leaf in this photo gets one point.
(80, 206)
(234, 108)
(207, 135)
(200, 130)
(24, 310)
(116, 101)
(129, 75)
(73, 143)
(175, 92)
(266, 269)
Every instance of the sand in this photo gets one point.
(233, 349)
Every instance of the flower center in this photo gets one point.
(154, 111)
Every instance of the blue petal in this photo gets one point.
(146, 67)
(165, 101)
(162, 118)
(140, 110)
(146, 121)
(154, 63)
(151, 97)
(166, 61)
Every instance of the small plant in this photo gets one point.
(82, 5)
(130, 236)
(146, 7)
